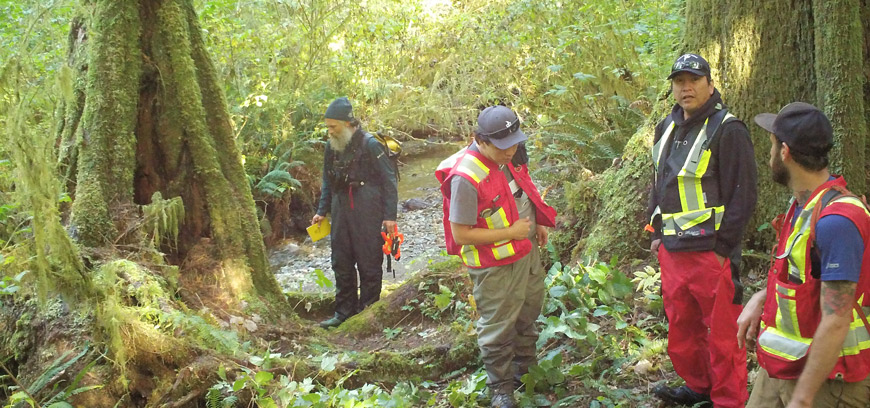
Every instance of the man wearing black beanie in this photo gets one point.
(359, 191)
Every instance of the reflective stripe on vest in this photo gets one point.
(660, 145)
(692, 197)
(497, 219)
(503, 251)
(472, 167)
(688, 219)
(470, 256)
(785, 340)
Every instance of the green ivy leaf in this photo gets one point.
(239, 384)
(583, 77)
(321, 280)
(328, 363)
(263, 377)
(558, 291)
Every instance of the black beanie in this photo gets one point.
(340, 109)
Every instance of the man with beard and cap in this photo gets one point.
(359, 191)
(814, 345)
(703, 194)
(495, 219)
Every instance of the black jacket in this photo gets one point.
(732, 171)
(364, 163)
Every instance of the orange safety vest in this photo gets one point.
(496, 207)
(791, 310)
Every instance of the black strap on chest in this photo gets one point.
(354, 169)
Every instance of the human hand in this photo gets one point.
(391, 227)
(520, 229)
(654, 246)
(748, 322)
(541, 232)
(800, 403)
(316, 219)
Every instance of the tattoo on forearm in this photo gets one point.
(837, 297)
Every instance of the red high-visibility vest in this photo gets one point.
(792, 312)
(496, 207)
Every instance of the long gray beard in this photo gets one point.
(339, 141)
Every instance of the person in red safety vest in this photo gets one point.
(703, 195)
(494, 220)
(809, 325)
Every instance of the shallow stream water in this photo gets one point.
(302, 265)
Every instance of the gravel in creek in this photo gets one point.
(296, 263)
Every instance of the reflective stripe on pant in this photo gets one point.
(775, 393)
(509, 300)
(702, 325)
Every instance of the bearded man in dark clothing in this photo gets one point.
(703, 194)
(359, 191)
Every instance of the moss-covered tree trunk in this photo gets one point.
(763, 55)
(154, 119)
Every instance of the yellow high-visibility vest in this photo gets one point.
(693, 202)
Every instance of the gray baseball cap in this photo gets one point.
(500, 126)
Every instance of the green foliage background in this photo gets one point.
(583, 76)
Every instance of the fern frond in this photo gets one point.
(57, 367)
(213, 398)
(229, 402)
(163, 218)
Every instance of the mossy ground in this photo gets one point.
(155, 344)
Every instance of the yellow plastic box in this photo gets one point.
(319, 230)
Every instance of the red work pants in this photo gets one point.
(698, 296)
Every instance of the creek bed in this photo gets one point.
(304, 266)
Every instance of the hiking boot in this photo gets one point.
(682, 395)
(333, 321)
(503, 400)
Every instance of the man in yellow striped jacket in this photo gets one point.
(703, 195)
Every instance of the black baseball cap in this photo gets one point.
(693, 63)
(501, 126)
(803, 127)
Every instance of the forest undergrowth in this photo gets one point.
(131, 325)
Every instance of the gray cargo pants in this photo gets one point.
(509, 300)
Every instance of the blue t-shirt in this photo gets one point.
(840, 246)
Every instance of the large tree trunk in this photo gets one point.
(154, 119)
(764, 55)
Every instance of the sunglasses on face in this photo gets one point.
(681, 65)
(501, 134)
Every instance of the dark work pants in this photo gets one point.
(357, 260)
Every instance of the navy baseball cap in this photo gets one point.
(803, 127)
(693, 63)
(500, 126)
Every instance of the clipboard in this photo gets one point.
(319, 230)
